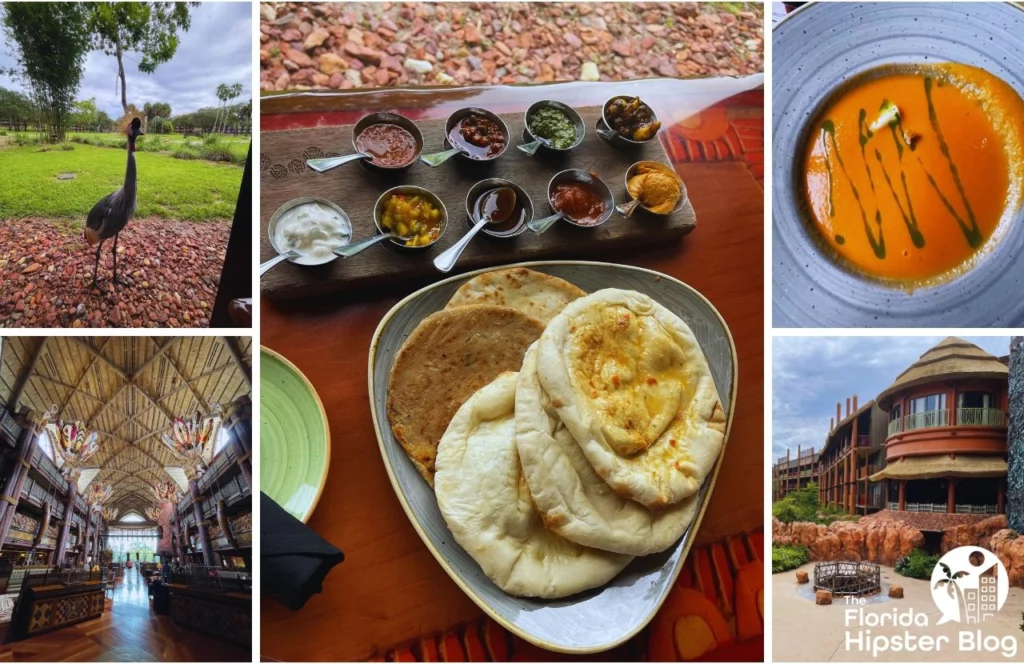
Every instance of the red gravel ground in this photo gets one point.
(368, 45)
(169, 272)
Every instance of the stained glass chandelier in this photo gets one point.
(165, 492)
(110, 514)
(96, 494)
(153, 513)
(192, 440)
(73, 442)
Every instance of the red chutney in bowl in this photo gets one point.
(391, 146)
(579, 201)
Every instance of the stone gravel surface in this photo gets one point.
(370, 45)
(169, 272)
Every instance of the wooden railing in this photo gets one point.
(965, 417)
(980, 417)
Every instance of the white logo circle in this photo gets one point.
(969, 585)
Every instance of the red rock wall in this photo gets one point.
(876, 540)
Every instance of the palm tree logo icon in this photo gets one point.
(969, 584)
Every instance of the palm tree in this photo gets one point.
(222, 95)
(952, 587)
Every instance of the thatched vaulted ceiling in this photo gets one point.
(128, 389)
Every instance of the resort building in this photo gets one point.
(790, 474)
(945, 446)
(853, 450)
(126, 520)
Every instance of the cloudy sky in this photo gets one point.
(811, 374)
(216, 49)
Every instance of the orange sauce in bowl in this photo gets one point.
(915, 196)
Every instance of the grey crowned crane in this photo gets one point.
(108, 217)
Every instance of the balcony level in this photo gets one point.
(960, 430)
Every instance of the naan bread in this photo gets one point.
(573, 501)
(632, 386)
(539, 295)
(450, 355)
(486, 503)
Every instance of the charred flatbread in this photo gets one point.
(534, 293)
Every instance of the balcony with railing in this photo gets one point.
(940, 508)
(965, 417)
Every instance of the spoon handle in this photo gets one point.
(438, 158)
(627, 209)
(538, 226)
(445, 261)
(353, 249)
(273, 261)
(327, 163)
(606, 134)
(531, 147)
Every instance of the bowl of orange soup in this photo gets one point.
(898, 166)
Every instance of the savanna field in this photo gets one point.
(169, 255)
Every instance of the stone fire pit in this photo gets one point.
(847, 579)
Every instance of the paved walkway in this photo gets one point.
(806, 632)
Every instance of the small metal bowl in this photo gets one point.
(409, 190)
(294, 203)
(614, 138)
(580, 175)
(570, 112)
(631, 171)
(479, 188)
(463, 112)
(388, 118)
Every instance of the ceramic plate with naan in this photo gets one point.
(450, 355)
(572, 500)
(485, 501)
(534, 293)
(631, 384)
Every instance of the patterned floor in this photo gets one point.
(128, 631)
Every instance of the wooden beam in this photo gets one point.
(198, 378)
(26, 374)
(103, 358)
(199, 397)
(236, 353)
(155, 356)
(70, 387)
(78, 383)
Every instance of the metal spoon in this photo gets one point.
(353, 249)
(534, 145)
(538, 226)
(327, 163)
(627, 209)
(445, 261)
(280, 258)
(438, 158)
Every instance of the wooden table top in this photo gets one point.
(390, 589)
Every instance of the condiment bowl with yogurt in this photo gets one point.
(552, 126)
(473, 134)
(384, 142)
(312, 228)
(478, 204)
(579, 197)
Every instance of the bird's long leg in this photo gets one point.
(96, 265)
(116, 282)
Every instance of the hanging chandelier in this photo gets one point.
(110, 514)
(165, 492)
(96, 494)
(191, 440)
(73, 442)
(153, 513)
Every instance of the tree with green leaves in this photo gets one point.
(225, 93)
(105, 123)
(50, 40)
(148, 28)
(17, 111)
(155, 110)
(84, 114)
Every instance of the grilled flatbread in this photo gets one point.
(534, 293)
(450, 355)
(486, 503)
(633, 387)
(572, 500)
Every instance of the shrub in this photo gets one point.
(211, 139)
(216, 153)
(788, 557)
(186, 152)
(917, 565)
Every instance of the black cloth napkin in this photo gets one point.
(293, 559)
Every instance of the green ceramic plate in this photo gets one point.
(295, 441)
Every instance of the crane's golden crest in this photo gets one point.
(127, 122)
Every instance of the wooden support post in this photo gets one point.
(1001, 498)
(951, 496)
(903, 495)
(204, 532)
(225, 526)
(26, 374)
(65, 529)
(83, 540)
(16, 480)
(238, 419)
(232, 345)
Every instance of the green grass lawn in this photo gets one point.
(190, 190)
(214, 147)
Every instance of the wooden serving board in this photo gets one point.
(284, 176)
